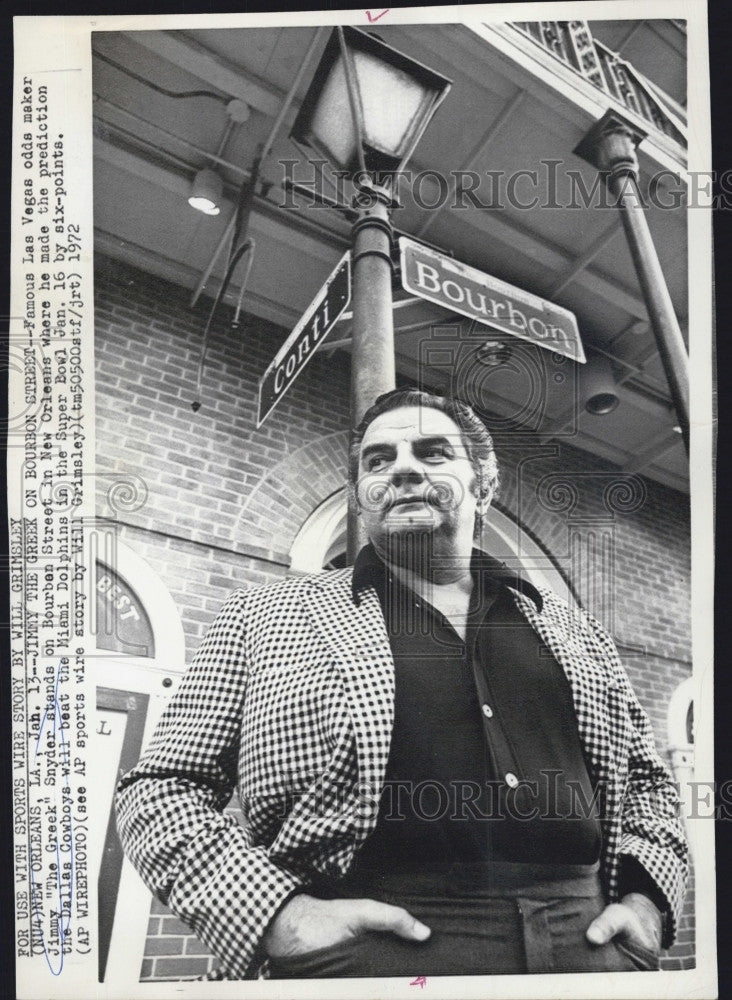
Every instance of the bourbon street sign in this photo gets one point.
(488, 300)
(318, 320)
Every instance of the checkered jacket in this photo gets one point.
(291, 698)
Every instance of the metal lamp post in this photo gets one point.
(610, 146)
(365, 111)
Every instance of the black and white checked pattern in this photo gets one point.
(639, 802)
(291, 698)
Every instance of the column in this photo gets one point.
(610, 146)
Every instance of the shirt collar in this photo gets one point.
(370, 570)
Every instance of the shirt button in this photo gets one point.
(487, 711)
(511, 780)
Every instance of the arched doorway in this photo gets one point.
(137, 658)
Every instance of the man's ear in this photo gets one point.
(484, 501)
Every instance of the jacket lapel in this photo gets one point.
(357, 638)
(562, 633)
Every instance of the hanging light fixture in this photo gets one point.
(598, 385)
(206, 192)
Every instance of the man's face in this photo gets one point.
(415, 477)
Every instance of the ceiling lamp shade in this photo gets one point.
(494, 353)
(368, 104)
(598, 386)
(206, 192)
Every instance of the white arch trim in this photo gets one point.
(505, 539)
(170, 642)
(681, 752)
(323, 535)
(678, 710)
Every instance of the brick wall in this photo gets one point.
(216, 503)
(171, 951)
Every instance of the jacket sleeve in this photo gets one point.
(199, 861)
(651, 831)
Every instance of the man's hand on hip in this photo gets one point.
(636, 919)
(306, 923)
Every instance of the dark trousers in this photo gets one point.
(490, 921)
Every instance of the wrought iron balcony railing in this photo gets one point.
(572, 42)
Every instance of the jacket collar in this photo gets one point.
(370, 571)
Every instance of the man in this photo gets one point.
(530, 825)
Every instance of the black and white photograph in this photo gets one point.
(401, 333)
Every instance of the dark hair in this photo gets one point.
(476, 438)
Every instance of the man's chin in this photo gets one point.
(410, 517)
(409, 533)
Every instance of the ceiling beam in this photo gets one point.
(411, 300)
(478, 150)
(583, 260)
(541, 250)
(194, 58)
(267, 219)
(628, 35)
(139, 120)
(144, 169)
(657, 448)
(501, 226)
(636, 369)
(182, 274)
(335, 345)
(575, 413)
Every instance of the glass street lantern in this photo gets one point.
(368, 104)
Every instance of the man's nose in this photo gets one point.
(406, 467)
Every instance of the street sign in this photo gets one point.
(317, 322)
(501, 306)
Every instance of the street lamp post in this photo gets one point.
(372, 358)
(365, 111)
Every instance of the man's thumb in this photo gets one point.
(377, 916)
(612, 921)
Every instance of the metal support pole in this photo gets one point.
(610, 147)
(372, 347)
(655, 292)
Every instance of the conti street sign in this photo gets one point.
(317, 322)
(488, 300)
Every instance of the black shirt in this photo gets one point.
(486, 762)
